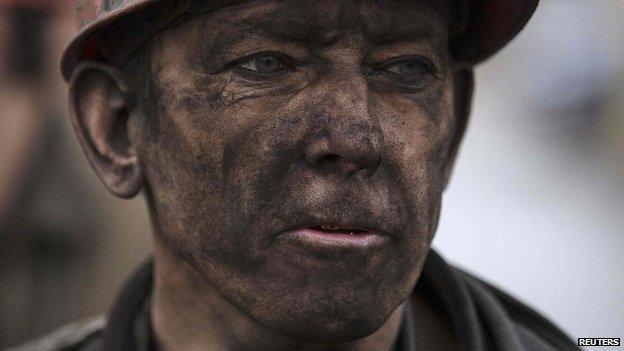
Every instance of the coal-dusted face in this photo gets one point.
(295, 151)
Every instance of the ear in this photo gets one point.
(463, 84)
(99, 111)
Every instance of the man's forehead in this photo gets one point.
(307, 21)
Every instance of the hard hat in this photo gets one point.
(112, 29)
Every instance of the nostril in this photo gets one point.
(317, 150)
(329, 159)
(335, 161)
(344, 153)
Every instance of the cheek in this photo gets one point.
(418, 132)
(180, 161)
(203, 160)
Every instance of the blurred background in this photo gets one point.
(536, 203)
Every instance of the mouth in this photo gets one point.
(327, 228)
(334, 236)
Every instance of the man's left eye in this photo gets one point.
(410, 69)
(264, 64)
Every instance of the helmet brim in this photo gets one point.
(489, 26)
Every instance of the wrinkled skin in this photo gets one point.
(354, 124)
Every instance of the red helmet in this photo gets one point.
(486, 27)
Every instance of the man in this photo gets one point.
(293, 156)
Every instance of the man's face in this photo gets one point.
(271, 122)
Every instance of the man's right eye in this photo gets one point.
(267, 64)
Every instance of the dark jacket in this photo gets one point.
(483, 318)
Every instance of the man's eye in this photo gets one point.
(264, 64)
(410, 70)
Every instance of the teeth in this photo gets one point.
(332, 228)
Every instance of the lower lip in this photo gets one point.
(320, 239)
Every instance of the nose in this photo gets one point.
(349, 140)
(360, 151)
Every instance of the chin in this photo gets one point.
(329, 330)
(329, 322)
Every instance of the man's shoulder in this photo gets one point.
(532, 329)
(483, 316)
(80, 336)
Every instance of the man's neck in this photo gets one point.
(189, 314)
